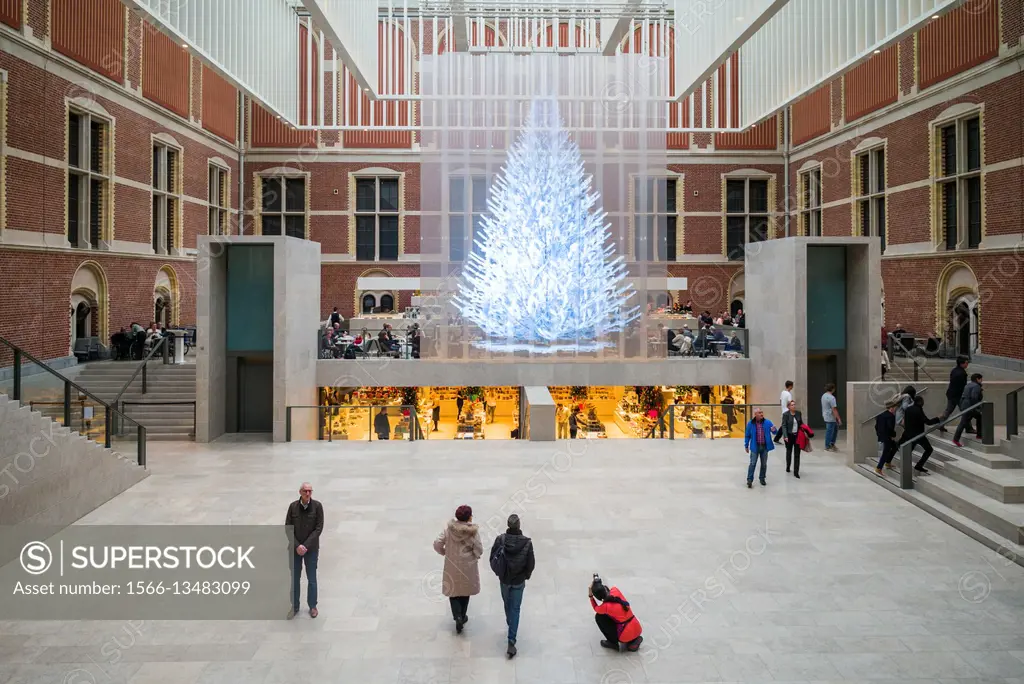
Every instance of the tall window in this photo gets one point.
(467, 203)
(166, 197)
(284, 206)
(377, 219)
(654, 219)
(218, 188)
(959, 182)
(746, 209)
(810, 202)
(88, 178)
(871, 194)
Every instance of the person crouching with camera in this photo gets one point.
(614, 617)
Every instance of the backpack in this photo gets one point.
(499, 564)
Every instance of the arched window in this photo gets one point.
(735, 307)
(369, 303)
(387, 303)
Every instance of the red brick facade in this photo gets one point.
(37, 266)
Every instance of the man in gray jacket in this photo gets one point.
(973, 394)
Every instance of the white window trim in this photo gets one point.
(958, 116)
(377, 213)
(653, 176)
(726, 214)
(219, 206)
(873, 193)
(83, 175)
(467, 212)
(164, 195)
(810, 205)
(280, 175)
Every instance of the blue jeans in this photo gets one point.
(310, 560)
(756, 452)
(512, 597)
(831, 431)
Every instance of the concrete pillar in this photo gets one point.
(540, 407)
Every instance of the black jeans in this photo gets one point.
(793, 453)
(927, 446)
(951, 405)
(460, 604)
(608, 627)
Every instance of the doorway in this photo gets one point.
(822, 369)
(255, 395)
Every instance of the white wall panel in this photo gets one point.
(351, 26)
(809, 42)
(252, 43)
(707, 32)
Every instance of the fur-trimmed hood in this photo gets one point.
(462, 531)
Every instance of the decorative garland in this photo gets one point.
(471, 393)
(409, 396)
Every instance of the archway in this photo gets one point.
(959, 308)
(737, 285)
(372, 301)
(166, 297)
(88, 305)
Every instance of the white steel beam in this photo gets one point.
(460, 27)
(618, 31)
(708, 33)
(810, 42)
(254, 44)
(352, 28)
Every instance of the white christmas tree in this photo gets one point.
(543, 274)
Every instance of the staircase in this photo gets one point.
(55, 475)
(973, 486)
(165, 383)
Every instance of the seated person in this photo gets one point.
(726, 318)
(734, 344)
(688, 307)
(614, 617)
(706, 319)
(717, 335)
(683, 343)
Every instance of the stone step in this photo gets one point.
(1006, 486)
(992, 460)
(946, 439)
(1006, 520)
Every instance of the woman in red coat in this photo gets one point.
(614, 617)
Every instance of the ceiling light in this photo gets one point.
(878, 52)
(185, 45)
(935, 16)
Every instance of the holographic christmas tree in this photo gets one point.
(543, 275)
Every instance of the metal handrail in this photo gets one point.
(111, 411)
(417, 432)
(1012, 424)
(907, 447)
(162, 344)
(872, 418)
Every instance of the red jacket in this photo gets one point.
(803, 436)
(629, 626)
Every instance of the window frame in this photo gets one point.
(283, 213)
(219, 208)
(468, 213)
(746, 214)
(83, 175)
(651, 216)
(871, 196)
(166, 201)
(377, 213)
(810, 207)
(961, 180)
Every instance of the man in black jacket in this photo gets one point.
(955, 390)
(306, 518)
(519, 562)
(914, 422)
(885, 431)
(973, 395)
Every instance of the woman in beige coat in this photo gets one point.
(461, 547)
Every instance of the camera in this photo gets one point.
(597, 585)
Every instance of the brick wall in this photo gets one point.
(37, 288)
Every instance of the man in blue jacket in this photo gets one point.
(757, 441)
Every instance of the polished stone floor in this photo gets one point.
(824, 579)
